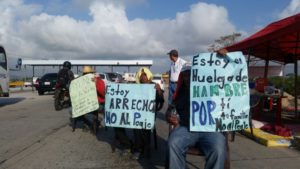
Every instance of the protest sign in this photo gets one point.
(130, 105)
(219, 93)
(83, 95)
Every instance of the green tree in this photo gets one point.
(224, 41)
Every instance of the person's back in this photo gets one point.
(65, 75)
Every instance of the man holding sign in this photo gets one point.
(133, 106)
(206, 103)
(87, 95)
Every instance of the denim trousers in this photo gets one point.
(212, 144)
(172, 89)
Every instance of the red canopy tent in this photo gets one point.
(279, 41)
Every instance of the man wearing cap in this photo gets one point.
(176, 66)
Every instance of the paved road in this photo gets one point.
(34, 135)
(25, 120)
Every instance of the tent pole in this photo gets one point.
(283, 80)
(267, 62)
(248, 61)
(296, 76)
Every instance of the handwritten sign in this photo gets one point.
(83, 95)
(130, 105)
(219, 93)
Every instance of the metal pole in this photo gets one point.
(33, 71)
(267, 62)
(32, 78)
(296, 76)
(283, 80)
(248, 61)
(266, 69)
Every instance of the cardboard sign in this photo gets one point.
(130, 105)
(83, 95)
(219, 93)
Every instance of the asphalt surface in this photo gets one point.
(35, 136)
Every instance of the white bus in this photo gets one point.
(4, 78)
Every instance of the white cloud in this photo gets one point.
(109, 33)
(292, 9)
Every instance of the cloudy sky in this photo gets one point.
(128, 29)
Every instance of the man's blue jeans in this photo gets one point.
(172, 89)
(212, 144)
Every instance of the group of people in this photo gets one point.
(64, 78)
(212, 144)
(140, 144)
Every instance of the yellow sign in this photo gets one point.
(83, 95)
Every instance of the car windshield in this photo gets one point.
(102, 76)
(156, 78)
(113, 76)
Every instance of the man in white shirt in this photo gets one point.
(176, 65)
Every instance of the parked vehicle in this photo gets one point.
(104, 77)
(111, 77)
(35, 81)
(47, 83)
(115, 77)
(129, 77)
(27, 84)
(4, 75)
(159, 80)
